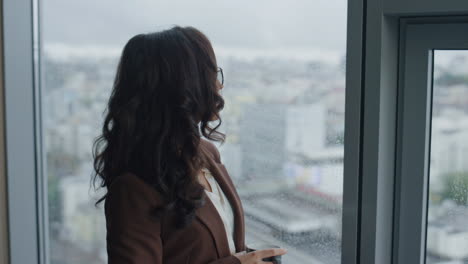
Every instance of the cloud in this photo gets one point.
(259, 24)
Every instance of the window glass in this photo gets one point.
(447, 234)
(284, 71)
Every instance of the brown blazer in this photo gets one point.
(133, 238)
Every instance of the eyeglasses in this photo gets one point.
(220, 75)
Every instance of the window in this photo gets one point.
(433, 187)
(447, 234)
(396, 162)
(284, 114)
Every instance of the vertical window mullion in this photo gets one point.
(23, 211)
(421, 36)
(413, 152)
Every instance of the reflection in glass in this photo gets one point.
(447, 233)
(284, 114)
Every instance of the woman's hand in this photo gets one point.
(257, 256)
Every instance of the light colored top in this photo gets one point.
(223, 206)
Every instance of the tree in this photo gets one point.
(55, 204)
(456, 187)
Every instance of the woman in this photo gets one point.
(169, 198)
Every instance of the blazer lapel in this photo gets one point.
(211, 218)
(226, 184)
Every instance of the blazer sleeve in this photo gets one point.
(227, 260)
(132, 236)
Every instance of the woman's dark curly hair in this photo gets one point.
(164, 93)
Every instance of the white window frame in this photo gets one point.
(378, 197)
(24, 171)
(420, 37)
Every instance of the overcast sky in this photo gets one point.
(257, 24)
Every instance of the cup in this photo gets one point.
(259, 246)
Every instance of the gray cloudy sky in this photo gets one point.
(231, 23)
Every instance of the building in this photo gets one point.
(263, 141)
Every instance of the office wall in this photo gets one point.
(3, 196)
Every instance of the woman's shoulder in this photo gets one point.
(212, 149)
(133, 187)
(129, 203)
